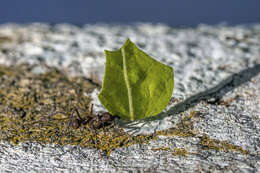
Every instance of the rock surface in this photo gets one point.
(217, 73)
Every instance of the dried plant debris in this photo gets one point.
(41, 108)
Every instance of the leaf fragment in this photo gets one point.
(135, 86)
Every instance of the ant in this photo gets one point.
(95, 122)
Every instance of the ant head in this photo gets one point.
(106, 117)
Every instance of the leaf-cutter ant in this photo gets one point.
(98, 121)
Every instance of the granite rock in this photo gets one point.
(217, 73)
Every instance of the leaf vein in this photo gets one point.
(129, 91)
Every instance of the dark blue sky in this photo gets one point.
(172, 12)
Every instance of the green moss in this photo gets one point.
(38, 108)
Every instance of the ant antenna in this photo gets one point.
(91, 109)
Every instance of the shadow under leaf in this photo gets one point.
(214, 94)
(226, 85)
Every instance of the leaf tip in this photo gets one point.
(127, 42)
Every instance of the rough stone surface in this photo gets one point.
(217, 72)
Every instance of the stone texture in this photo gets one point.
(217, 72)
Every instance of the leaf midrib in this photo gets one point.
(128, 87)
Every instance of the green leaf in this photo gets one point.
(135, 86)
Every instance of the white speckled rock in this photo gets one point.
(210, 63)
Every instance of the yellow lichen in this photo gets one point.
(214, 144)
(180, 152)
(161, 149)
(175, 151)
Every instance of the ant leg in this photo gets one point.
(103, 128)
(96, 140)
(93, 141)
(77, 112)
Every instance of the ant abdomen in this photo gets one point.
(75, 123)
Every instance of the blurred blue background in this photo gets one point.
(171, 12)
